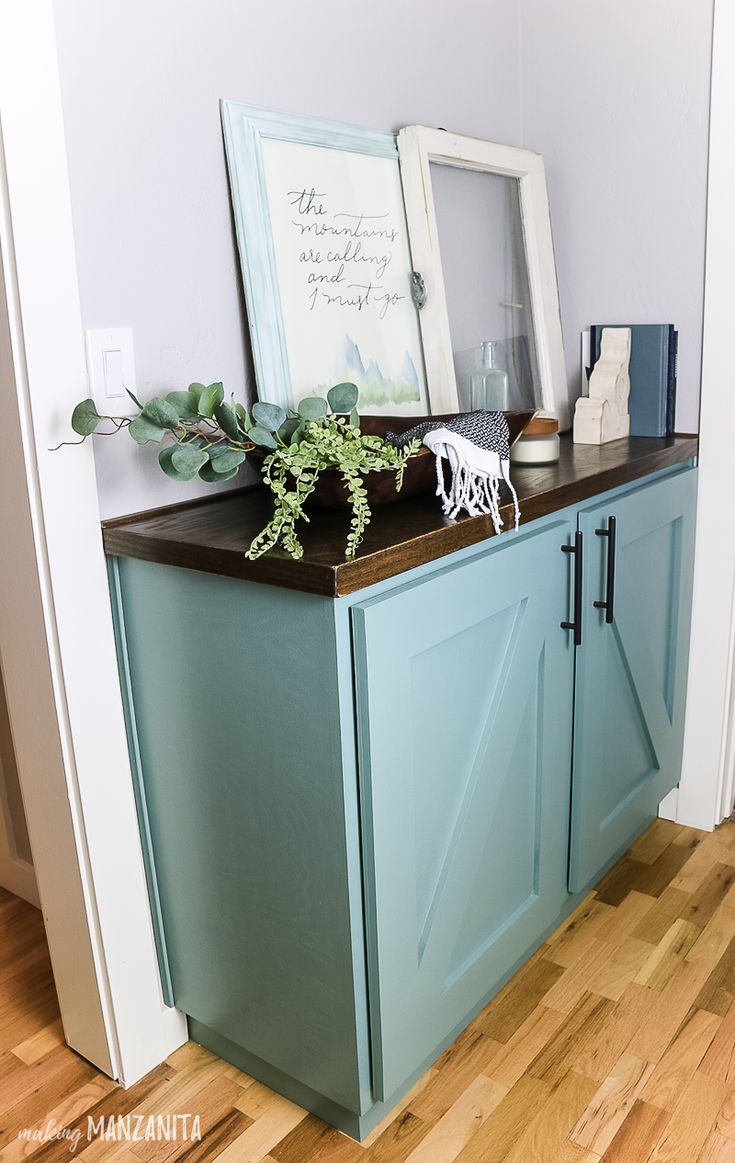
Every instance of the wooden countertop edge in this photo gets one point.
(307, 576)
(471, 530)
(121, 538)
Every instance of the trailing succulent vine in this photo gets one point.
(203, 435)
(291, 473)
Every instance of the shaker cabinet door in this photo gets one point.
(631, 671)
(464, 689)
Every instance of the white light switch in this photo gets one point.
(111, 366)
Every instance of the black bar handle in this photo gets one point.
(576, 625)
(609, 604)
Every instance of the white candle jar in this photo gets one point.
(539, 442)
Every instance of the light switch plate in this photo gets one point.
(111, 366)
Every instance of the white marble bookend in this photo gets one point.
(603, 415)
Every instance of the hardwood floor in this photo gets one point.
(615, 1042)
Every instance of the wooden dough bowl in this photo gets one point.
(420, 472)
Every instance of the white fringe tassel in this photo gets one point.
(475, 486)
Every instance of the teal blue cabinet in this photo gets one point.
(361, 814)
(464, 684)
(631, 667)
(252, 838)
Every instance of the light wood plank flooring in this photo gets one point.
(615, 1042)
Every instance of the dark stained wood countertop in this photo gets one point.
(212, 534)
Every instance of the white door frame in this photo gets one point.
(707, 788)
(56, 636)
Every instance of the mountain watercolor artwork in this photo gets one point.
(378, 387)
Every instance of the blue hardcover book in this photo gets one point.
(649, 374)
(671, 388)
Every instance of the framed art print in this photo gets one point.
(326, 262)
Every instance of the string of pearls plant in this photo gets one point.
(203, 435)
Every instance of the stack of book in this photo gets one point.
(653, 360)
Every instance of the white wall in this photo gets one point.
(616, 96)
(614, 93)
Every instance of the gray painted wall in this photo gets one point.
(149, 189)
(614, 94)
(616, 97)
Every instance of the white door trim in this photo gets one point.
(16, 871)
(16, 874)
(26, 614)
(707, 787)
(57, 643)
(727, 798)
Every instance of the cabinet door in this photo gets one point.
(631, 673)
(464, 690)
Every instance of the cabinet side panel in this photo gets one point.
(234, 687)
(123, 662)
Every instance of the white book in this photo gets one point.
(585, 363)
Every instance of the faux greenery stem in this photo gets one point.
(202, 435)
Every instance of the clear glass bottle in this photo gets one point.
(489, 385)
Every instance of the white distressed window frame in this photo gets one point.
(418, 147)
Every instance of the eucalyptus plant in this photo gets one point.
(201, 434)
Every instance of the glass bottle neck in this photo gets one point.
(488, 354)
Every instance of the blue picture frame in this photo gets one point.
(247, 130)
